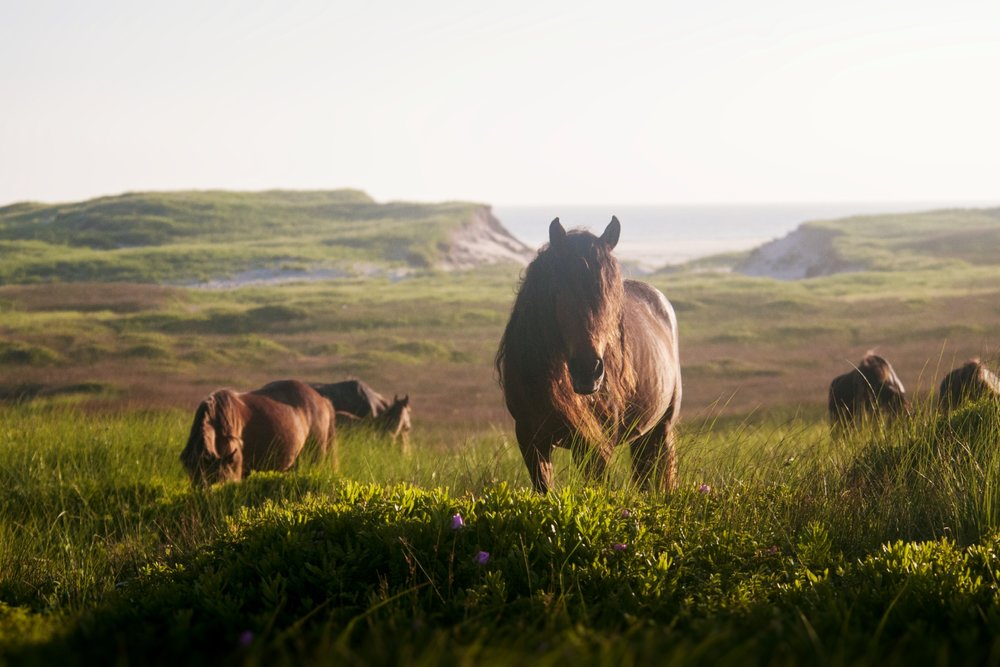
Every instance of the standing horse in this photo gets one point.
(969, 382)
(870, 389)
(234, 434)
(588, 361)
(357, 403)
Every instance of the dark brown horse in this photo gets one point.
(870, 389)
(969, 382)
(355, 402)
(234, 434)
(588, 361)
(353, 398)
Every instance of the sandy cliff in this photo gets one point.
(807, 252)
(483, 240)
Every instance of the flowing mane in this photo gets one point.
(532, 339)
(567, 360)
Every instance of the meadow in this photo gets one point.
(783, 545)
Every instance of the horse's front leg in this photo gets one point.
(590, 458)
(537, 452)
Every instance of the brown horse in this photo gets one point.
(870, 389)
(234, 434)
(970, 382)
(356, 402)
(588, 361)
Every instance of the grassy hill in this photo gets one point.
(896, 242)
(185, 237)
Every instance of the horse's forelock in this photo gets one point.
(197, 443)
(226, 418)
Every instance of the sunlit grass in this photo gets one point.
(89, 505)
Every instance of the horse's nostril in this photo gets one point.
(586, 371)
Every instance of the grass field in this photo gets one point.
(782, 545)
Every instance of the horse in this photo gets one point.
(872, 388)
(394, 421)
(234, 434)
(969, 382)
(352, 398)
(589, 360)
(355, 402)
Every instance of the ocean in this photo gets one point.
(655, 236)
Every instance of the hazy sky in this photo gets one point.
(504, 102)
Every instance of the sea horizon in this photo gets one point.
(658, 235)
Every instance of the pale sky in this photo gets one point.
(514, 102)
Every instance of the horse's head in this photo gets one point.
(214, 450)
(587, 300)
(396, 419)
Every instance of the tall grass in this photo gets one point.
(783, 543)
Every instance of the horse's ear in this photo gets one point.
(405, 401)
(612, 232)
(556, 232)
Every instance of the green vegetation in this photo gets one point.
(781, 546)
(189, 237)
(918, 240)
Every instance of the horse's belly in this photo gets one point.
(268, 448)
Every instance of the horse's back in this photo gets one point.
(354, 397)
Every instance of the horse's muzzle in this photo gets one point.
(586, 376)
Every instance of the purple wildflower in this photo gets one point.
(626, 513)
(246, 638)
(618, 546)
(704, 489)
(457, 522)
(483, 557)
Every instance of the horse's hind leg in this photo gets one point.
(654, 457)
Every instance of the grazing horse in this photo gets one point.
(234, 433)
(357, 403)
(394, 421)
(589, 360)
(969, 382)
(870, 389)
(353, 398)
